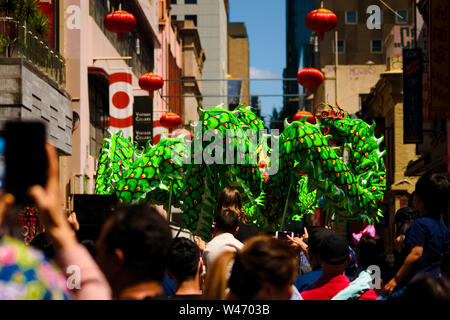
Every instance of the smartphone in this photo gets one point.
(284, 234)
(25, 158)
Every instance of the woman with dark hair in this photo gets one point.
(230, 198)
(428, 237)
(265, 269)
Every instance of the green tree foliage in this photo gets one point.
(27, 13)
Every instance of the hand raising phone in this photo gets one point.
(47, 199)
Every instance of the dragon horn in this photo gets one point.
(286, 123)
(200, 110)
(380, 140)
(381, 154)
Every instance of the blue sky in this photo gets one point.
(266, 27)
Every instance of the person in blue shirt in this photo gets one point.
(428, 237)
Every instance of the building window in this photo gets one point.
(404, 16)
(376, 46)
(190, 1)
(351, 17)
(340, 45)
(173, 1)
(191, 17)
(174, 18)
(98, 112)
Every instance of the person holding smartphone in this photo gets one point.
(49, 281)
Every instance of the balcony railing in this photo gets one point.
(16, 41)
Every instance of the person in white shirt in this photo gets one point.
(226, 225)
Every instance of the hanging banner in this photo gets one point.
(121, 102)
(412, 96)
(143, 120)
(439, 42)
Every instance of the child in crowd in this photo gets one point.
(231, 199)
(225, 227)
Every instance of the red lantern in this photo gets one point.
(310, 78)
(151, 82)
(120, 22)
(311, 119)
(170, 120)
(321, 21)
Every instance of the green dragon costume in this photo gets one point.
(281, 178)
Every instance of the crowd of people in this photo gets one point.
(137, 257)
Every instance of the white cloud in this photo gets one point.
(256, 73)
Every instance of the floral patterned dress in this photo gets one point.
(26, 274)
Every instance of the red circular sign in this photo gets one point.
(121, 100)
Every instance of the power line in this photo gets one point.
(242, 79)
(235, 95)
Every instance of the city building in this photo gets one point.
(384, 105)
(33, 84)
(360, 58)
(414, 124)
(211, 19)
(299, 54)
(432, 39)
(169, 63)
(238, 65)
(193, 62)
(93, 54)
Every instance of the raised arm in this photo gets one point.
(92, 282)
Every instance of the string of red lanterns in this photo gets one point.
(152, 82)
(320, 21)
